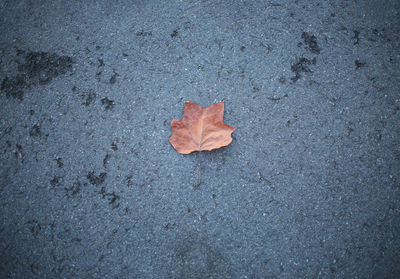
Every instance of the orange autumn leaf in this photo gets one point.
(201, 128)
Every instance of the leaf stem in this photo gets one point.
(198, 184)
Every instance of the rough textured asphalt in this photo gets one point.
(90, 187)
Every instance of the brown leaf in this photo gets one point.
(200, 129)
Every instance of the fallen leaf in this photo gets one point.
(201, 128)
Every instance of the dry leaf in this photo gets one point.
(200, 129)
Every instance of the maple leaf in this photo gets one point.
(201, 128)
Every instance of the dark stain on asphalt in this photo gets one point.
(96, 179)
(311, 42)
(108, 104)
(197, 258)
(35, 131)
(301, 66)
(37, 68)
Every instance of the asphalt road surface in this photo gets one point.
(90, 186)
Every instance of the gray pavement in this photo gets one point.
(90, 187)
